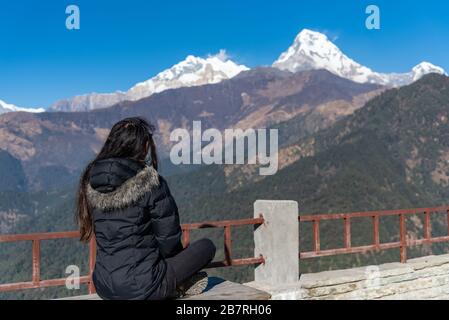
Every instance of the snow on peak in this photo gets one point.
(425, 68)
(310, 35)
(192, 71)
(313, 50)
(7, 107)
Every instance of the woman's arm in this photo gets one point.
(165, 221)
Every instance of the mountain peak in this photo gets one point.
(7, 107)
(191, 58)
(313, 50)
(192, 71)
(307, 34)
(425, 68)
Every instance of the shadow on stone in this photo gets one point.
(212, 282)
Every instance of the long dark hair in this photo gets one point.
(130, 138)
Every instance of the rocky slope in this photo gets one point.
(64, 142)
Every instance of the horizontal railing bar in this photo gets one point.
(236, 262)
(41, 284)
(427, 241)
(222, 224)
(340, 251)
(76, 234)
(39, 236)
(364, 249)
(336, 216)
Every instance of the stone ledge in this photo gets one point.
(217, 289)
(420, 278)
(292, 291)
(336, 277)
(429, 261)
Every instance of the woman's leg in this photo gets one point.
(192, 259)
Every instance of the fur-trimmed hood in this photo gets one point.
(123, 192)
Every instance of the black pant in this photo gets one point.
(182, 266)
(191, 260)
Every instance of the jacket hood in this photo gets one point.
(119, 183)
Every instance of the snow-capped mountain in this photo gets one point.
(193, 71)
(6, 107)
(313, 50)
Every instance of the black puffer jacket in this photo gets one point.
(136, 225)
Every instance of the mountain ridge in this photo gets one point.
(7, 107)
(192, 71)
(313, 50)
(67, 140)
(310, 50)
(392, 153)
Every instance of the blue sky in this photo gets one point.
(123, 42)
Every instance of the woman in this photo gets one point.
(129, 208)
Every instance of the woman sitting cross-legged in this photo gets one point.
(128, 206)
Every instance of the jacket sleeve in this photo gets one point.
(165, 221)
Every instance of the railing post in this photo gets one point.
(227, 245)
(347, 231)
(447, 222)
(403, 238)
(36, 261)
(92, 257)
(277, 240)
(376, 234)
(427, 226)
(186, 237)
(316, 235)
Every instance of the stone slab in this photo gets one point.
(217, 289)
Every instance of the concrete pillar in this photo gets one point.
(278, 241)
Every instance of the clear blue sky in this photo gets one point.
(124, 42)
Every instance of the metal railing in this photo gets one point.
(228, 261)
(36, 239)
(375, 216)
(36, 281)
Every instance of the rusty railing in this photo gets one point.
(36, 281)
(36, 239)
(375, 216)
(228, 261)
